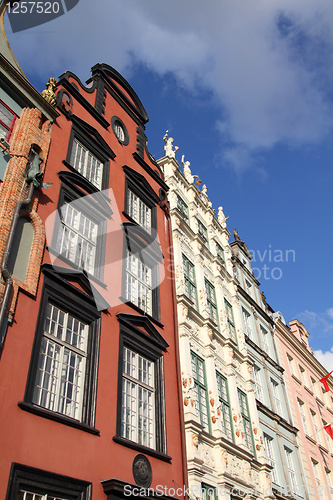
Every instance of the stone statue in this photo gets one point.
(168, 148)
(49, 94)
(237, 238)
(204, 196)
(222, 218)
(187, 171)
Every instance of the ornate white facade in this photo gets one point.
(225, 450)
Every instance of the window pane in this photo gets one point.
(139, 211)
(61, 363)
(138, 399)
(138, 283)
(86, 163)
(77, 237)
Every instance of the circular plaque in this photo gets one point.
(142, 472)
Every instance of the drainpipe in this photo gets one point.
(4, 265)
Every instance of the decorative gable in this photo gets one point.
(143, 327)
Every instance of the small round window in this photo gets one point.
(120, 130)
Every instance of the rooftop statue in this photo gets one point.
(187, 171)
(236, 235)
(168, 148)
(222, 218)
(204, 196)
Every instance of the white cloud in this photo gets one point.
(319, 322)
(267, 63)
(325, 358)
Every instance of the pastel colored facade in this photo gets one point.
(225, 454)
(91, 404)
(278, 431)
(311, 405)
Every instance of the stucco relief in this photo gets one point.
(207, 455)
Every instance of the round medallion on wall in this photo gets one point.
(119, 130)
(142, 472)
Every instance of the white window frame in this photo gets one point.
(264, 337)
(86, 163)
(316, 472)
(269, 447)
(303, 378)
(49, 389)
(138, 399)
(37, 496)
(257, 382)
(301, 406)
(247, 323)
(139, 283)
(291, 469)
(77, 236)
(138, 210)
(291, 364)
(276, 396)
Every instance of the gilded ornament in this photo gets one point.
(49, 94)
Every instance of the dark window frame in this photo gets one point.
(211, 300)
(188, 283)
(146, 195)
(220, 253)
(69, 192)
(96, 148)
(246, 418)
(233, 335)
(43, 482)
(67, 297)
(182, 207)
(137, 240)
(204, 387)
(139, 341)
(225, 403)
(207, 489)
(202, 231)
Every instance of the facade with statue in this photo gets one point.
(225, 452)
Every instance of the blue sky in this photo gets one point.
(245, 89)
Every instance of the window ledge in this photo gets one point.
(143, 449)
(57, 417)
(74, 266)
(149, 233)
(296, 379)
(311, 439)
(309, 390)
(141, 311)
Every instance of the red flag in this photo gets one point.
(324, 381)
(329, 430)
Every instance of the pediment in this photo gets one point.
(77, 279)
(141, 181)
(94, 135)
(143, 326)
